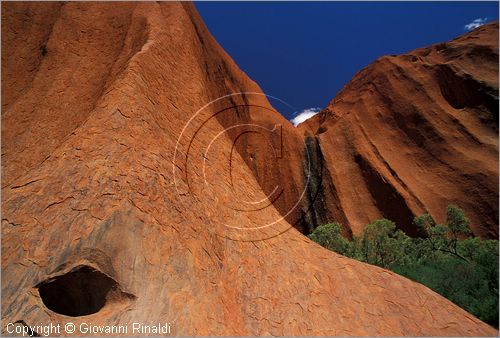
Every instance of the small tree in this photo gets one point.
(424, 223)
(456, 221)
(445, 237)
(382, 244)
(330, 237)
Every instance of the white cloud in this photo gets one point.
(475, 23)
(304, 115)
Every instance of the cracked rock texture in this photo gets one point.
(118, 189)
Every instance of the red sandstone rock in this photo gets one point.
(115, 189)
(413, 133)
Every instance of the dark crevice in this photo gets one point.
(463, 91)
(43, 50)
(387, 199)
(316, 209)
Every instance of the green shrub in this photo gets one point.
(330, 237)
(383, 245)
(456, 221)
(461, 268)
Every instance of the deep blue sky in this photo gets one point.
(304, 53)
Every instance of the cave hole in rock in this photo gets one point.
(80, 292)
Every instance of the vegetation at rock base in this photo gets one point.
(447, 259)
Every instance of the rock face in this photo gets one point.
(413, 133)
(128, 191)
